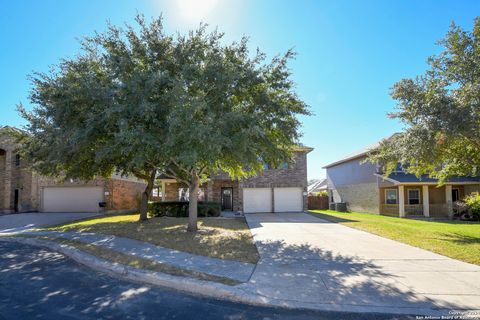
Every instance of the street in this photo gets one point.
(41, 284)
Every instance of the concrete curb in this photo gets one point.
(207, 288)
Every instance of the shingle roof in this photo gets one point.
(359, 153)
(402, 177)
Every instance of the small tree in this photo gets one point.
(441, 113)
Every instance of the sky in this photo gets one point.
(350, 53)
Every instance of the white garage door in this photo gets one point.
(257, 200)
(72, 199)
(288, 199)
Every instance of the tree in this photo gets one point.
(103, 110)
(232, 112)
(441, 113)
(146, 102)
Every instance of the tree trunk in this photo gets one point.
(146, 195)
(193, 204)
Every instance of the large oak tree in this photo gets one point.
(441, 113)
(146, 102)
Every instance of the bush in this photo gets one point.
(209, 209)
(473, 203)
(179, 209)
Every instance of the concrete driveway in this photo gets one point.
(310, 260)
(23, 221)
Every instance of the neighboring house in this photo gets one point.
(361, 185)
(282, 189)
(22, 190)
(317, 187)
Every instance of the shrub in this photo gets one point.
(168, 208)
(209, 209)
(473, 203)
(179, 209)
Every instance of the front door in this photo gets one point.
(227, 199)
(15, 200)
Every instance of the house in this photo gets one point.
(22, 190)
(317, 187)
(363, 188)
(282, 189)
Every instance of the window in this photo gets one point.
(17, 160)
(391, 196)
(413, 196)
(184, 194)
(156, 192)
(283, 165)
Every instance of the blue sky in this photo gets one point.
(350, 53)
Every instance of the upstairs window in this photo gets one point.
(283, 165)
(391, 196)
(17, 160)
(414, 196)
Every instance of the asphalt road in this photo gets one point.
(36, 283)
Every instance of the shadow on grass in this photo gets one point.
(331, 218)
(461, 238)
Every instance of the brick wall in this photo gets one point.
(363, 197)
(294, 176)
(123, 195)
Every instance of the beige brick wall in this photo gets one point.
(363, 197)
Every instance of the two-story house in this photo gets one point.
(282, 189)
(363, 188)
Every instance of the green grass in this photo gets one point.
(456, 239)
(222, 238)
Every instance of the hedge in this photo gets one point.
(179, 209)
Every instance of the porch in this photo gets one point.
(422, 200)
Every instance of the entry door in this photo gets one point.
(455, 195)
(227, 199)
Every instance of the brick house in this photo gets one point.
(363, 188)
(22, 190)
(280, 189)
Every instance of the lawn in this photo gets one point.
(222, 238)
(456, 239)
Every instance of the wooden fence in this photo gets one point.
(317, 202)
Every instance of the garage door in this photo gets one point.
(72, 199)
(288, 199)
(257, 200)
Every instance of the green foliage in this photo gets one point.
(322, 194)
(441, 113)
(473, 202)
(168, 209)
(145, 101)
(179, 209)
(209, 209)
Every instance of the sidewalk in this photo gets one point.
(306, 263)
(234, 270)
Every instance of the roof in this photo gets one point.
(301, 147)
(318, 186)
(358, 154)
(402, 177)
